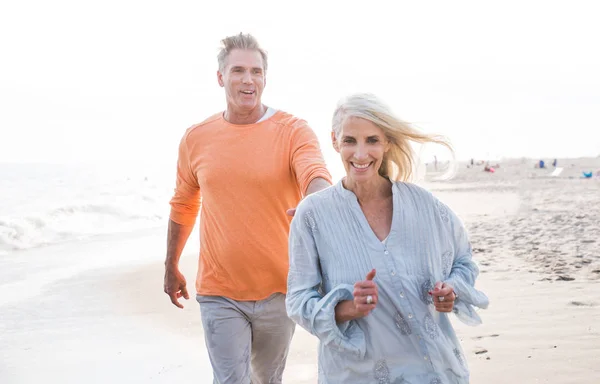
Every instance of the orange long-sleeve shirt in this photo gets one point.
(244, 178)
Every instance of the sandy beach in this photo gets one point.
(94, 311)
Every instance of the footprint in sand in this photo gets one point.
(582, 304)
(480, 351)
(485, 336)
(565, 278)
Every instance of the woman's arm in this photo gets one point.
(306, 303)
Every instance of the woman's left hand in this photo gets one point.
(443, 297)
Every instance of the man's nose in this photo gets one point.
(247, 78)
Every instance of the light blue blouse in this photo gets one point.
(404, 340)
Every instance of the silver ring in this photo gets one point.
(369, 299)
(441, 298)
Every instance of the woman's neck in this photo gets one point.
(376, 189)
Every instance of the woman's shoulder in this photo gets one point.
(423, 200)
(415, 190)
(318, 200)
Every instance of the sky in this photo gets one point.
(117, 82)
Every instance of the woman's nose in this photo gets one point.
(361, 153)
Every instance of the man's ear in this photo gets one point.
(334, 142)
(220, 79)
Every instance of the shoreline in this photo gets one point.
(94, 311)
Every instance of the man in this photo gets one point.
(243, 167)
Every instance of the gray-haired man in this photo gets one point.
(246, 165)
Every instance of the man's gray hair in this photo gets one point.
(240, 41)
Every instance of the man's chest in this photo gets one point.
(258, 162)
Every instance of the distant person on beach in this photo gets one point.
(242, 168)
(542, 164)
(555, 163)
(378, 263)
(489, 168)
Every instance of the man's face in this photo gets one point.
(243, 79)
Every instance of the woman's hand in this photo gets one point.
(366, 295)
(365, 300)
(443, 297)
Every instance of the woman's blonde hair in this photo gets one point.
(399, 161)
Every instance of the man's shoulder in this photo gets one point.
(289, 121)
(211, 121)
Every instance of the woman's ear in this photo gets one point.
(388, 145)
(334, 142)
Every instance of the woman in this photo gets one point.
(376, 263)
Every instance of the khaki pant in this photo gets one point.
(247, 341)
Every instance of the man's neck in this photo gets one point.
(245, 117)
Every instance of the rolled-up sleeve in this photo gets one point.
(185, 203)
(305, 302)
(306, 156)
(463, 274)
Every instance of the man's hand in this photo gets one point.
(175, 286)
(291, 212)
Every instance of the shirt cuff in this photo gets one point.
(319, 173)
(346, 336)
(468, 299)
(181, 218)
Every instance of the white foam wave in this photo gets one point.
(73, 222)
(46, 210)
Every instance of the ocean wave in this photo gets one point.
(43, 205)
(76, 221)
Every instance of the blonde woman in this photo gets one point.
(377, 263)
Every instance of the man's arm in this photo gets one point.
(316, 184)
(175, 284)
(177, 236)
(185, 205)
(306, 159)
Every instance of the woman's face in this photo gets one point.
(361, 145)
